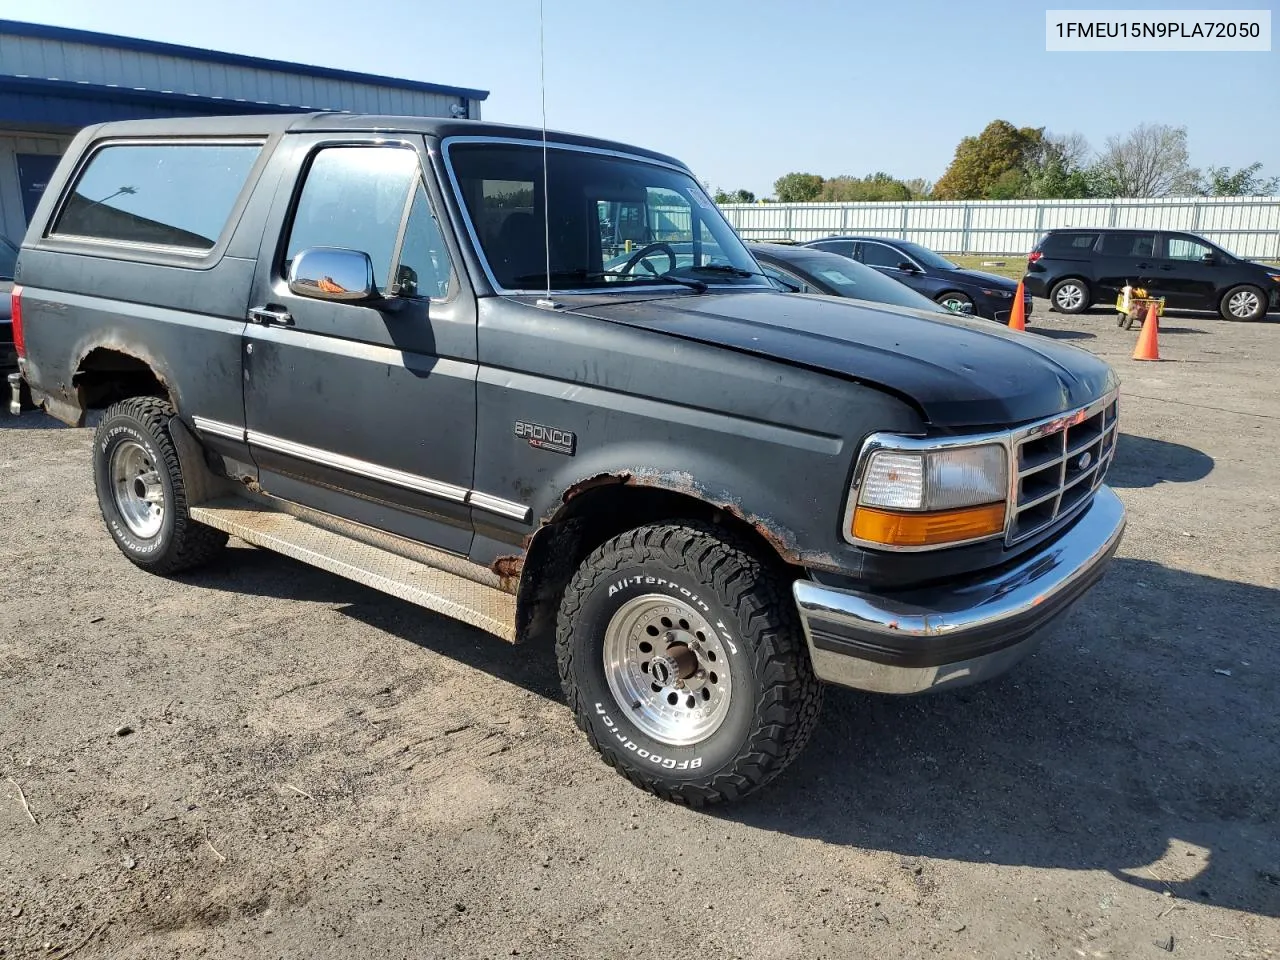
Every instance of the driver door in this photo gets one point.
(365, 410)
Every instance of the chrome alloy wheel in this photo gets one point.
(1243, 304)
(667, 669)
(137, 489)
(1069, 296)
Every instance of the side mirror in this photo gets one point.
(1209, 258)
(907, 267)
(332, 273)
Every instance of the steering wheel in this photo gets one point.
(644, 252)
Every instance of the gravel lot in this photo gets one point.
(315, 769)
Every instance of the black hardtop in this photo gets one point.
(266, 125)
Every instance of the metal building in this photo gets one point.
(53, 81)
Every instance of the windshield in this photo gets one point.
(614, 221)
(925, 256)
(8, 259)
(851, 279)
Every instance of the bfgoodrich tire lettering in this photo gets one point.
(139, 428)
(775, 698)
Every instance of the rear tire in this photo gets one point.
(1243, 303)
(1070, 296)
(141, 491)
(726, 698)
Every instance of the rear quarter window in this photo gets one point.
(1068, 244)
(167, 195)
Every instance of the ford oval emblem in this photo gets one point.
(1086, 458)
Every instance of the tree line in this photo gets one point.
(1005, 162)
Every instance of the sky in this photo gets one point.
(745, 92)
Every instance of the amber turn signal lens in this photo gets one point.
(896, 528)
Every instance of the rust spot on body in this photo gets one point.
(508, 570)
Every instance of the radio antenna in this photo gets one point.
(546, 206)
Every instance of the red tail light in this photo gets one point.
(1033, 256)
(15, 301)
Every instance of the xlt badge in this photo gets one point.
(547, 438)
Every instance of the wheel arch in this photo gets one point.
(603, 506)
(110, 371)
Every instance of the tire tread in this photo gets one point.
(192, 544)
(790, 696)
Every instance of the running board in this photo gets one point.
(438, 590)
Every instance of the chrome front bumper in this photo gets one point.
(960, 632)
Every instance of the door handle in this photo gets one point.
(1144, 266)
(270, 315)
(1166, 267)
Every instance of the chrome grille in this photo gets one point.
(1060, 464)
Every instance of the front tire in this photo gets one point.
(1070, 296)
(681, 655)
(955, 301)
(1243, 303)
(141, 492)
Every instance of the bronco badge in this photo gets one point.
(547, 438)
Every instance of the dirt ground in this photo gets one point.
(317, 770)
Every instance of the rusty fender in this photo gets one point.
(781, 539)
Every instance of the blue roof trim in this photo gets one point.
(68, 35)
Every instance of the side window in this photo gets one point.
(422, 268)
(354, 198)
(878, 255)
(1069, 243)
(1128, 244)
(842, 247)
(1184, 248)
(163, 194)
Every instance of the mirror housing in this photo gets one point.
(907, 267)
(1209, 258)
(332, 273)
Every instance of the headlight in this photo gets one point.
(1274, 276)
(1001, 294)
(927, 498)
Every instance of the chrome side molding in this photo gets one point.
(363, 468)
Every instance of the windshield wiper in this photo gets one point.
(727, 269)
(586, 275)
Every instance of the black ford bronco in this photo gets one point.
(541, 387)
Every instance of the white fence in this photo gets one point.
(1247, 226)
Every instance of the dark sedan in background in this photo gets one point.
(805, 270)
(937, 278)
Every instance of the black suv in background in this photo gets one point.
(1076, 268)
(924, 271)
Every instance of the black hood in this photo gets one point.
(960, 372)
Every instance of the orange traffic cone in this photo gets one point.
(1018, 315)
(1148, 348)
